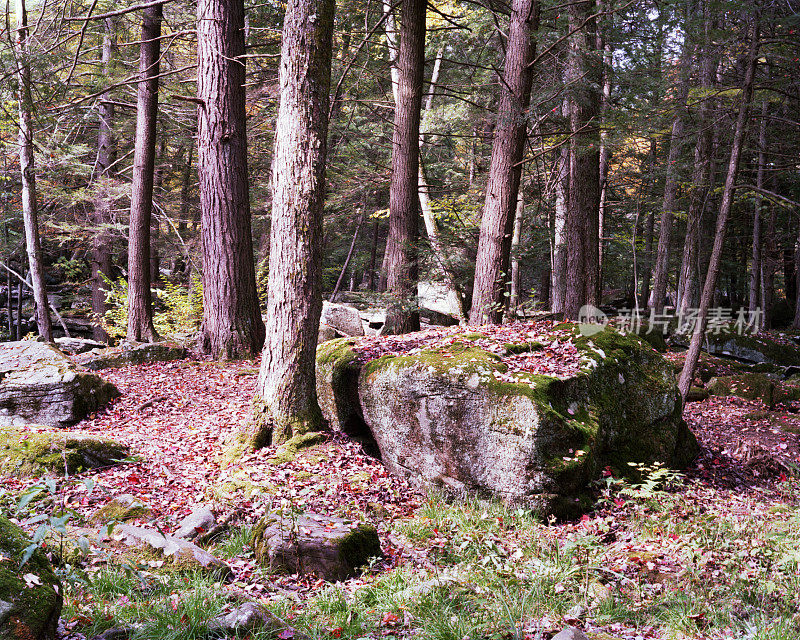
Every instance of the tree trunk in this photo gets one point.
(155, 223)
(140, 305)
(19, 310)
(30, 214)
(402, 267)
(346, 264)
(10, 306)
(755, 272)
(693, 355)
(502, 188)
(583, 203)
(604, 46)
(232, 325)
(106, 154)
(559, 269)
(516, 237)
(286, 404)
(676, 142)
(186, 184)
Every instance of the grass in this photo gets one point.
(691, 564)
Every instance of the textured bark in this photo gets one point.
(287, 402)
(676, 142)
(502, 188)
(559, 274)
(604, 46)
(516, 236)
(106, 154)
(232, 325)
(155, 224)
(693, 355)
(140, 305)
(401, 248)
(583, 203)
(30, 214)
(755, 270)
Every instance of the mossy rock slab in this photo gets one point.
(460, 421)
(754, 349)
(41, 385)
(35, 451)
(119, 509)
(332, 548)
(179, 555)
(337, 370)
(30, 596)
(755, 386)
(131, 353)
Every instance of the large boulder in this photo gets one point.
(330, 547)
(130, 353)
(754, 386)
(342, 318)
(36, 451)
(30, 595)
(456, 417)
(757, 349)
(41, 385)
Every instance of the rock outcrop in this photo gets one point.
(36, 451)
(41, 385)
(456, 417)
(755, 349)
(128, 354)
(332, 548)
(342, 318)
(30, 595)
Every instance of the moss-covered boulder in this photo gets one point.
(119, 509)
(459, 418)
(332, 548)
(754, 386)
(130, 353)
(756, 349)
(30, 596)
(41, 385)
(337, 371)
(35, 451)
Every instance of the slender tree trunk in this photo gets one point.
(583, 203)
(140, 304)
(286, 404)
(106, 154)
(502, 188)
(604, 46)
(232, 325)
(755, 272)
(373, 255)
(559, 273)
(10, 306)
(346, 264)
(155, 223)
(676, 142)
(19, 310)
(693, 355)
(186, 185)
(402, 267)
(30, 214)
(516, 237)
(796, 320)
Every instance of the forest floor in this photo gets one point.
(712, 553)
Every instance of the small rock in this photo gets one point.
(330, 547)
(343, 318)
(74, 346)
(198, 522)
(570, 633)
(130, 353)
(123, 507)
(184, 555)
(250, 617)
(326, 332)
(114, 633)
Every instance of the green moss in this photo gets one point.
(289, 449)
(361, 544)
(27, 453)
(120, 510)
(266, 428)
(337, 351)
(522, 347)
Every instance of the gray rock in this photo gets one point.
(456, 421)
(326, 333)
(182, 554)
(570, 633)
(249, 617)
(332, 548)
(130, 353)
(41, 385)
(758, 349)
(30, 596)
(198, 522)
(122, 507)
(74, 346)
(343, 318)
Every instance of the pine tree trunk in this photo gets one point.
(286, 404)
(693, 355)
(583, 203)
(660, 276)
(755, 272)
(140, 305)
(559, 275)
(516, 237)
(232, 325)
(401, 248)
(502, 188)
(155, 224)
(106, 154)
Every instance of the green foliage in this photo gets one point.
(177, 311)
(71, 270)
(262, 281)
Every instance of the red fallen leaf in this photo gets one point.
(337, 632)
(389, 620)
(783, 477)
(134, 479)
(619, 502)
